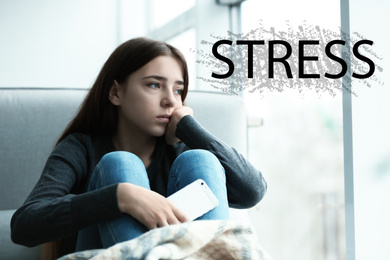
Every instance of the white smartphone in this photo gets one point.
(195, 199)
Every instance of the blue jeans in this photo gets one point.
(117, 167)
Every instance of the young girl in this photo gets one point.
(132, 144)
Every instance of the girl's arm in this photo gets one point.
(55, 208)
(245, 184)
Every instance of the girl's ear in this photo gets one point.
(114, 94)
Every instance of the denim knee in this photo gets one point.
(201, 160)
(117, 167)
(197, 156)
(200, 164)
(120, 158)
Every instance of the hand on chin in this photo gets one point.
(176, 116)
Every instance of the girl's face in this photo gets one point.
(149, 96)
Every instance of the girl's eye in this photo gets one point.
(178, 91)
(154, 85)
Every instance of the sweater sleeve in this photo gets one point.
(52, 210)
(245, 184)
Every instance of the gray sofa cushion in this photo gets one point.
(31, 121)
(223, 115)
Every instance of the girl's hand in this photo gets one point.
(148, 207)
(176, 116)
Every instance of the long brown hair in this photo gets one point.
(97, 114)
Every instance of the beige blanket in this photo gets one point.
(213, 239)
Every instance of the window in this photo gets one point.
(299, 148)
(164, 11)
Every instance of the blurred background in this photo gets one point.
(327, 198)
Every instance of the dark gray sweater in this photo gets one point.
(59, 205)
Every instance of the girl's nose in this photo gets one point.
(168, 99)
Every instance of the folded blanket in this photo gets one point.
(207, 239)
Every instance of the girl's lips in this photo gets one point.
(164, 118)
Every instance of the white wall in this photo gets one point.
(62, 43)
(371, 137)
